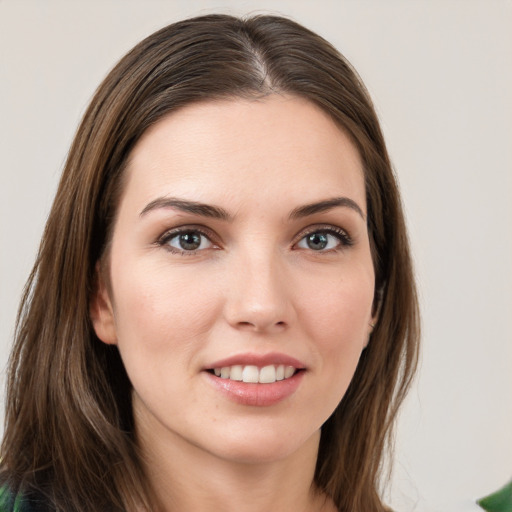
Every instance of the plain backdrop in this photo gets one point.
(440, 72)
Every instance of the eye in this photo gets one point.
(186, 241)
(325, 239)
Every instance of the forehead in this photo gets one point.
(238, 149)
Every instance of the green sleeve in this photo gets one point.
(11, 503)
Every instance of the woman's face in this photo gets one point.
(241, 279)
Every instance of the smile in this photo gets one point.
(253, 374)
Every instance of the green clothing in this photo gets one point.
(11, 503)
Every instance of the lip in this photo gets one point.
(258, 395)
(259, 360)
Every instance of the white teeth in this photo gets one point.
(253, 374)
(288, 371)
(267, 374)
(250, 374)
(236, 372)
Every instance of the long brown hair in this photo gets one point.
(69, 425)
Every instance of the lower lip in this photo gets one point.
(259, 395)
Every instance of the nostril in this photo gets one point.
(260, 326)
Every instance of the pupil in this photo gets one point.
(190, 241)
(317, 241)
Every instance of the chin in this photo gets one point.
(268, 446)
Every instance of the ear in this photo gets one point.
(377, 302)
(101, 310)
(371, 327)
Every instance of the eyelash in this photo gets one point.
(342, 236)
(164, 240)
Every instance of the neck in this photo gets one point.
(186, 477)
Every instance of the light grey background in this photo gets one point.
(440, 72)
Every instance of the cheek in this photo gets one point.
(337, 320)
(339, 311)
(157, 305)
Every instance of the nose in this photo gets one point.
(258, 298)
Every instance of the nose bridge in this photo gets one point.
(258, 298)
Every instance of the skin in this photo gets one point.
(254, 286)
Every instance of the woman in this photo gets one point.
(222, 313)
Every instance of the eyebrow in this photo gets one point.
(216, 212)
(323, 206)
(204, 210)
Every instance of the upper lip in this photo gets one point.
(259, 360)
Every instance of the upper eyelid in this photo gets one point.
(322, 227)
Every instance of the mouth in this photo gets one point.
(252, 374)
(260, 380)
